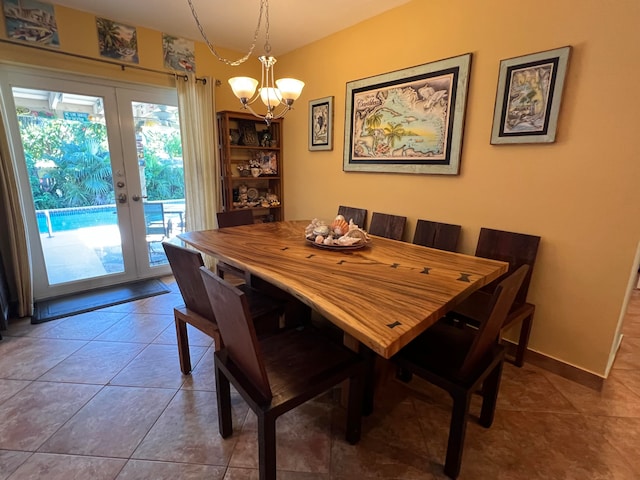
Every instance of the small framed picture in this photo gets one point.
(248, 134)
(321, 124)
(528, 97)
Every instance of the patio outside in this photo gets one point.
(96, 248)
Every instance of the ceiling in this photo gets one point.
(231, 24)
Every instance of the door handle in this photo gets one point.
(136, 198)
(122, 198)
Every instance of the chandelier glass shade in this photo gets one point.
(277, 95)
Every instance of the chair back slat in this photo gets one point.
(231, 309)
(489, 330)
(185, 265)
(358, 215)
(233, 218)
(517, 249)
(443, 236)
(388, 226)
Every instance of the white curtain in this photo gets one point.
(16, 256)
(200, 152)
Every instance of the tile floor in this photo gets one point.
(100, 396)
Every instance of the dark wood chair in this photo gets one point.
(517, 249)
(463, 361)
(443, 236)
(197, 312)
(358, 215)
(277, 373)
(388, 226)
(233, 218)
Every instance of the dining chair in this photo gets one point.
(233, 218)
(463, 361)
(277, 373)
(388, 226)
(185, 264)
(358, 215)
(443, 236)
(517, 249)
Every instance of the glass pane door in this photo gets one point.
(102, 167)
(152, 138)
(68, 161)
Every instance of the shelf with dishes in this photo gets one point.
(251, 164)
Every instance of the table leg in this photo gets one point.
(370, 376)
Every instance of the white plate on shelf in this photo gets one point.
(252, 193)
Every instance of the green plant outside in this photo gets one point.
(69, 164)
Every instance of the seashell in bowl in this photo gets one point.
(321, 230)
(339, 226)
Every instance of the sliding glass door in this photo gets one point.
(101, 176)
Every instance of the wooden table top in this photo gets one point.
(383, 295)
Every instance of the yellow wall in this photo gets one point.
(579, 193)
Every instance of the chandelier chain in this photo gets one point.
(212, 48)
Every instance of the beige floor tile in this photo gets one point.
(303, 440)
(615, 399)
(546, 427)
(37, 411)
(23, 327)
(145, 470)
(241, 474)
(96, 362)
(628, 378)
(137, 327)
(161, 303)
(85, 326)
(627, 357)
(8, 388)
(203, 374)
(112, 424)
(156, 366)
(528, 389)
(624, 435)
(25, 358)
(543, 446)
(10, 461)
(196, 337)
(187, 432)
(65, 467)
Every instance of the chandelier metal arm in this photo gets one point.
(212, 48)
(274, 93)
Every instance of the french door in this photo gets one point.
(101, 177)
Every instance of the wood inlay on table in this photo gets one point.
(383, 295)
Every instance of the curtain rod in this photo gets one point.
(121, 65)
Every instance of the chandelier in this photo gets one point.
(277, 95)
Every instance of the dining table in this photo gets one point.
(381, 294)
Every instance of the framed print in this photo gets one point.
(408, 121)
(117, 40)
(31, 21)
(528, 97)
(179, 53)
(321, 124)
